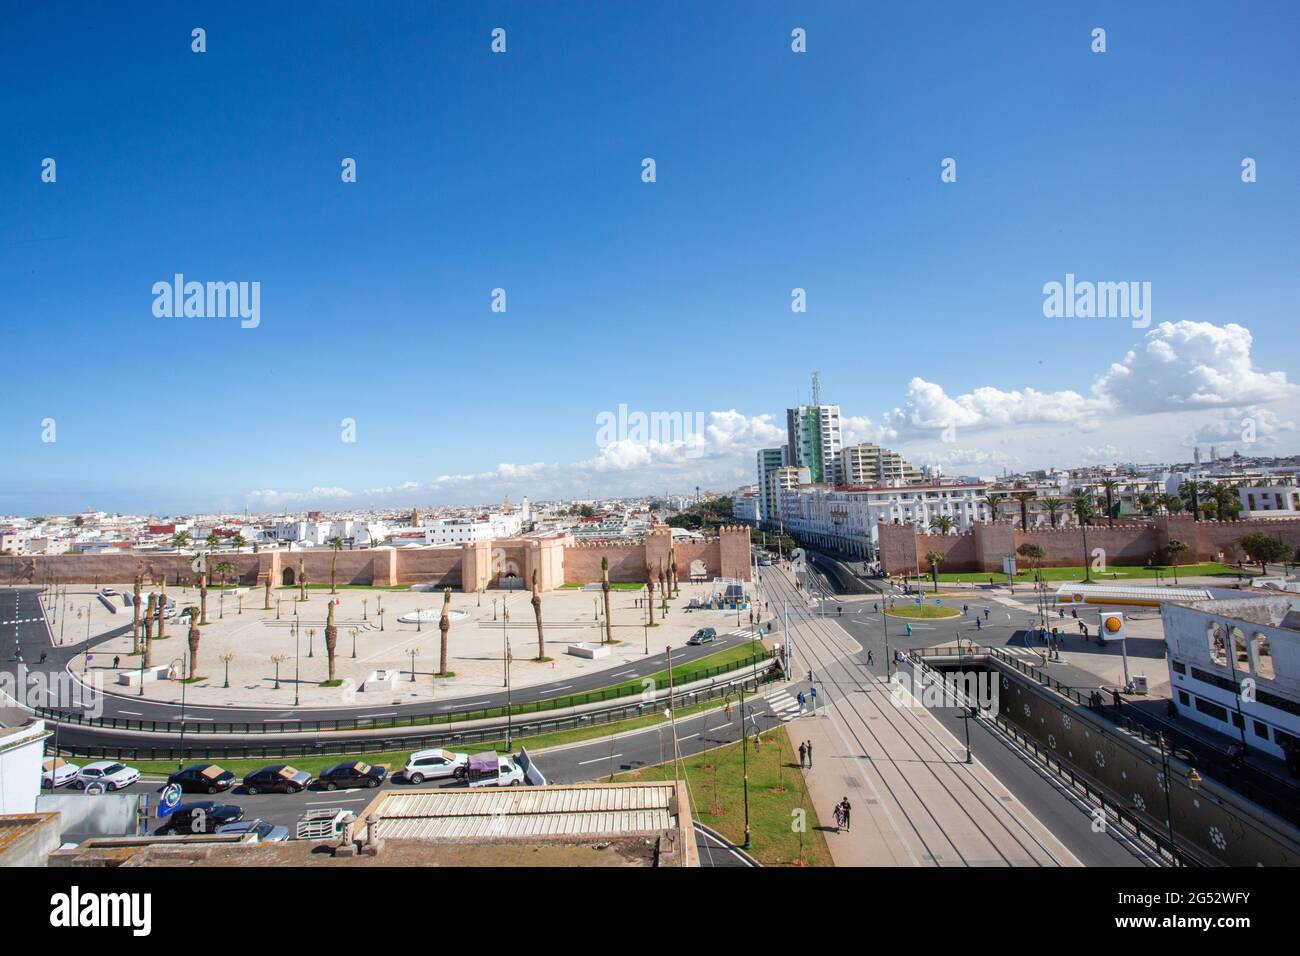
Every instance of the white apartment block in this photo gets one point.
(869, 465)
(847, 519)
(769, 460)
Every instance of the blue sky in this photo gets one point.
(775, 170)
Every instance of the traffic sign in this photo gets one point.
(169, 800)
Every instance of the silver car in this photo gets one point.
(265, 832)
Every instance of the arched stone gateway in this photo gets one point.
(287, 578)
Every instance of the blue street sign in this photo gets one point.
(169, 800)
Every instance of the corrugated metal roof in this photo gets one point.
(1066, 592)
(526, 812)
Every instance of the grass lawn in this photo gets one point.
(922, 611)
(613, 586)
(1113, 573)
(396, 759)
(776, 788)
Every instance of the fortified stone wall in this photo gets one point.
(470, 566)
(981, 549)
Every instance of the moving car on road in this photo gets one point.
(705, 635)
(277, 778)
(56, 771)
(203, 816)
(203, 778)
(106, 774)
(263, 832)
(432, 764)
(352, 773)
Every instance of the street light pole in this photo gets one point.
(1169, 786)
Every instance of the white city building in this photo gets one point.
(1234, 666)
(847, 519)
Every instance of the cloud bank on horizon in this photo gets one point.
(1184, 383)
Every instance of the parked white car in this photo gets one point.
(108, 592)
(108, 774)
(56, 771)
(432, 764)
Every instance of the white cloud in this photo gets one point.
(1191, 365)
(1163, 388)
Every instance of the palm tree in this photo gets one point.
(162, 609)
(444, 625)
(537, 612)
(302, 580)
(650, 592)
(212, 540)
(942, 524)
(1082, 503)
(180, 539)
(331, 639)
(1053, 506)
(1109, 486)
(994, 501)
(194, 636)
(1147, 503)
(1226, 502)
(266, 587)
(135, 617)
(148, 630)
(1170, 504)
(1175, 548)
(1024, 497)
(238, 541)
(203, 596)
(336, 544)
(224, 568)
(604, 589)
(934, 559)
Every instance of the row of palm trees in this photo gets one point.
(1200, 497)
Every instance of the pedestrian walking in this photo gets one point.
(1074, 613)
(909, 630)
(845, 810)
(979, 624)
(117, 661)
(802, 700)
(870, 658)
(986, 614)
(803, 756)
(965, 608)
(839, 818)
(808, 743)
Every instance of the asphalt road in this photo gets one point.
(1066, 817)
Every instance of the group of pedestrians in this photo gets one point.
(805, 754)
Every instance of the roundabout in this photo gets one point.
(922, 612)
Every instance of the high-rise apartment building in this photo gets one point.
(868, 465)
(769, 460)
(814, 441)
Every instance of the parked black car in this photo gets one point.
(705, 635)
(352, 773)
(277, 778)
(203, 816)
(203, 778)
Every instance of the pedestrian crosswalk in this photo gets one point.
(783, 705)
(24, 620)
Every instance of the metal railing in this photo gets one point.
(416, 719)
(1277, 796)
(443, 738)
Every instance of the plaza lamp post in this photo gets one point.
(226, 659)
(505, 647)
(182, 661)
(1087, 567)
(509, 708)
(311, 641)
(354, 643)
(297, 660)
(276, 659)
(969, 709)
(411, 654)
(744, 756)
